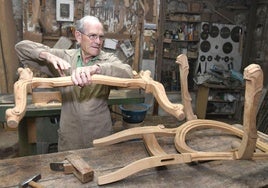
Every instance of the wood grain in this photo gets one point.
(82, 170)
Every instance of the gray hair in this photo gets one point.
(86, 19)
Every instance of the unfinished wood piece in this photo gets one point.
(152, 145)
(254, 79)
(182, 60)
(143, 80)
(246, 150)
(161, 160)
(3, 75)
(31, 130)
(63, 43)
(46, 97)
(81, 170)
(33, 36)
(190, 126)
(254, 84)
(68, 168)
(8, 38)
(133, 133)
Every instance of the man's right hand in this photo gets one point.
(59, 64)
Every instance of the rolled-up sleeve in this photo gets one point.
(28, 54)
(28, 50)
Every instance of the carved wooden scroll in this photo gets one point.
(185, 95)
(251, 139)
(143, 81)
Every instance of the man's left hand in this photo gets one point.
(82, 76)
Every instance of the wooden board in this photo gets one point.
(262, 115)
(33, 36)
(82, 170)
(9, 61)
(103, 160)
(63, 43)
(3, 78)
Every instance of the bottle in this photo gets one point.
(190, 32)
(167, 34)
(181, 34)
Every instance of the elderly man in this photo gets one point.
(85, 115)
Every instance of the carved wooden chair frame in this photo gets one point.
(251, 138)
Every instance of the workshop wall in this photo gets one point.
(181, 31)
(120, 19)
(257, 43)
(138, 22)
(123, 22)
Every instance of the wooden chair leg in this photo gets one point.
(143, 164)
(161, 160)
(182, 60)
(152, 145)
(133, 133)
(254, 84)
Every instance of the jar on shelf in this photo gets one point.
(181, 34)
(167, 34)
(190, 32)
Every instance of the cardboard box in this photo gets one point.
(195, 7)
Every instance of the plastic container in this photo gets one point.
(134, 113)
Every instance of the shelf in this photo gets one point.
(182, 20)
(185, 12)
(210, 101)
(167, 57)
(181, 23)
(176, 40)
(183, 17)
(56, 38)
(107, 35)
(173, 92)
(221, 113)
(223, 87)
(220, 101)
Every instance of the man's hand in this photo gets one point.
(59, 64)
(81, 76)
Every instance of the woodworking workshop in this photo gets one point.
(134, 93)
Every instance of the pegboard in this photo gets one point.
(220, 47)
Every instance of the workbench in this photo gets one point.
(38, 129)
(233, 173)
(213, 95)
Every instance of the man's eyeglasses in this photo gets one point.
(93, 36)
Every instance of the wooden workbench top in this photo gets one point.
(103, 160)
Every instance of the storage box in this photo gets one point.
(195, 7)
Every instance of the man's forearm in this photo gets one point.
(28, 50)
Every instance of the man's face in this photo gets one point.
(91, 39)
